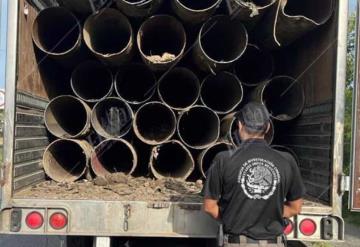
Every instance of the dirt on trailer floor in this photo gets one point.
(119, 187)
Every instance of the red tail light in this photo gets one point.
(58, 221)
(34, 220)
(289, 228)
(307, 227)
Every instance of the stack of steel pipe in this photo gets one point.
(146, 90)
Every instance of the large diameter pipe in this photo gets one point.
(135, 83)
(291, 19)
(67, 160)
(207, 156)
(109, 35)
(255, 66)
(283, 96)
(198, 127)
(171, 159)
(67, 117)
(138, 8)
(229, 131)
(114, 156)
(112, 118)
(91, 81)
(221, 41)
(154, 123)
(161, 41)
(179, 88)
(57, 32)
(221, 92)
(194, 12)
(249, 10)
(288, 150)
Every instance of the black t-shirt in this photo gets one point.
(251, 184)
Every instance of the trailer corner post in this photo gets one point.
(339, 106)
(10, 89)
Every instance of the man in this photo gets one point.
(246, 188)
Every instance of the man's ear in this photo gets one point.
(240, 125)
(268, 127)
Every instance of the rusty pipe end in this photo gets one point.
(171, 159)
(67, 117)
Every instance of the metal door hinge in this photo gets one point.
(344, 183)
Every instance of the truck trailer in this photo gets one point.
(306, 43)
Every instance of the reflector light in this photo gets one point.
(289, 228)
(34, 220)
(58, 221)
(307, 227)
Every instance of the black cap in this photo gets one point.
(254, 116)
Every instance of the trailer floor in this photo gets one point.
(118, 187)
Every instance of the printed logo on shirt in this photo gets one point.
(259, 178)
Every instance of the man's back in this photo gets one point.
(251, 184)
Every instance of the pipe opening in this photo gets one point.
(67, 117)
(112, 117)
(161, 39)
(56, 31)
(173, 160)
(199, 127)
(255, 66)
(198, 5)
(208, 155)
(221, 92)
(317, 10)
(108, 32)
(65, 168)
(154, 123)
(113, 156)
(179, 89)
(223, 39)
(135, 83)
(284, 98)
(92, 81)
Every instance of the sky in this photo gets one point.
(3, 17)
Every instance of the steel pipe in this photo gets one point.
(67, 117)
(171, 159)
(283, 96)
(66, 160)
(57, 32)
(109, 35)
(112, 118)
(291, 19)
(198, 127)
(287, 150)
(220, 43)
(194, 12)
(135, 83)
(179, 88)
(161, 41)
(154, 123)
(91, 81)
(255, 66)
(222, 92)
(114, 156)
(139, 8)
(207, 156)
(229, 131)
